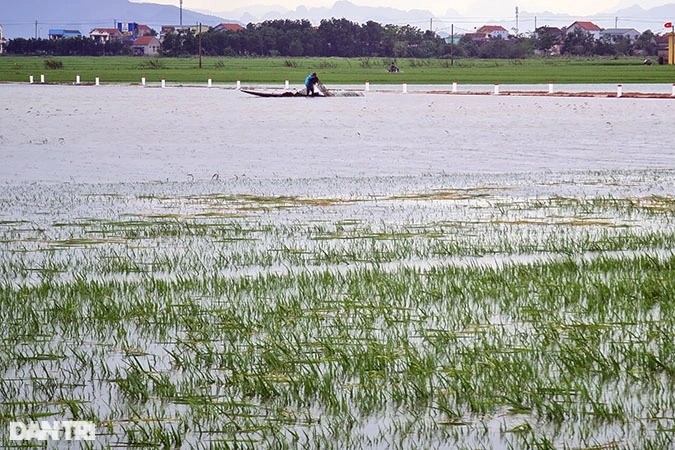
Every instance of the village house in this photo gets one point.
(146, 46)
(585, 27)
(487, 32)
(614, 34)
(132, 30)
(104, 35)
(493, 32)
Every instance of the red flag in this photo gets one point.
(668, 25)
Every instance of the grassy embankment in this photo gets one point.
(333, 70)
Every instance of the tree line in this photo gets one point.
(344, 38)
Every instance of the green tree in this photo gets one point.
(579, 43)
(545, 38)
(180, 43)
(372, 37)
(338, 37)
(468, 46)
(495, 48)
(646, 44)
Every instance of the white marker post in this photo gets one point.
(619, 90)
(673, 93)
(367, 88)
(98, 81)
(30, 79)
(238, 84)
(163, 83)
(496, 91)
(142, 81)
(77, 79)
(550, 87)
(208, 83)
(454, 87)
(286, 85)
(42, 78)
(405, 88)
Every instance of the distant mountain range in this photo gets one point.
(631, 17)
(34, 18)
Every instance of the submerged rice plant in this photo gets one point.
(457, 315)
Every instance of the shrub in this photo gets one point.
(53, 64)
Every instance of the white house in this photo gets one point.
(612, 34)
(104, 35)
(493, 32)
(585, 27)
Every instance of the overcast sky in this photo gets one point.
(437, 7)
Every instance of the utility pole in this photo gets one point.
(516, 21)
(36, 36)
(452, 44)
(181, 13)
(431, 24)
(200, 45)
(616, 22)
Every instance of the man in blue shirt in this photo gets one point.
(310, 81)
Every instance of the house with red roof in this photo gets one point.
(493, 32)
(146, 46)
(585, 27)
(228, 27)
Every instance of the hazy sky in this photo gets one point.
(464, 7)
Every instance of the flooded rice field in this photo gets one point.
(199, 268)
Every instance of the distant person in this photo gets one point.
(393, 68)
(311, 80)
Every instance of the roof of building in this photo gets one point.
(588, 26)
(491, 28)
(106, 30)
(145, 40)
(229, 26)
(64, 33)
(619, 30)
(549, 28)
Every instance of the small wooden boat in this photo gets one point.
(278, 94)
(324, 93)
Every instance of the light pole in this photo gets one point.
(181, 13)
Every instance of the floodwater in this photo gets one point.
(94, 134)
